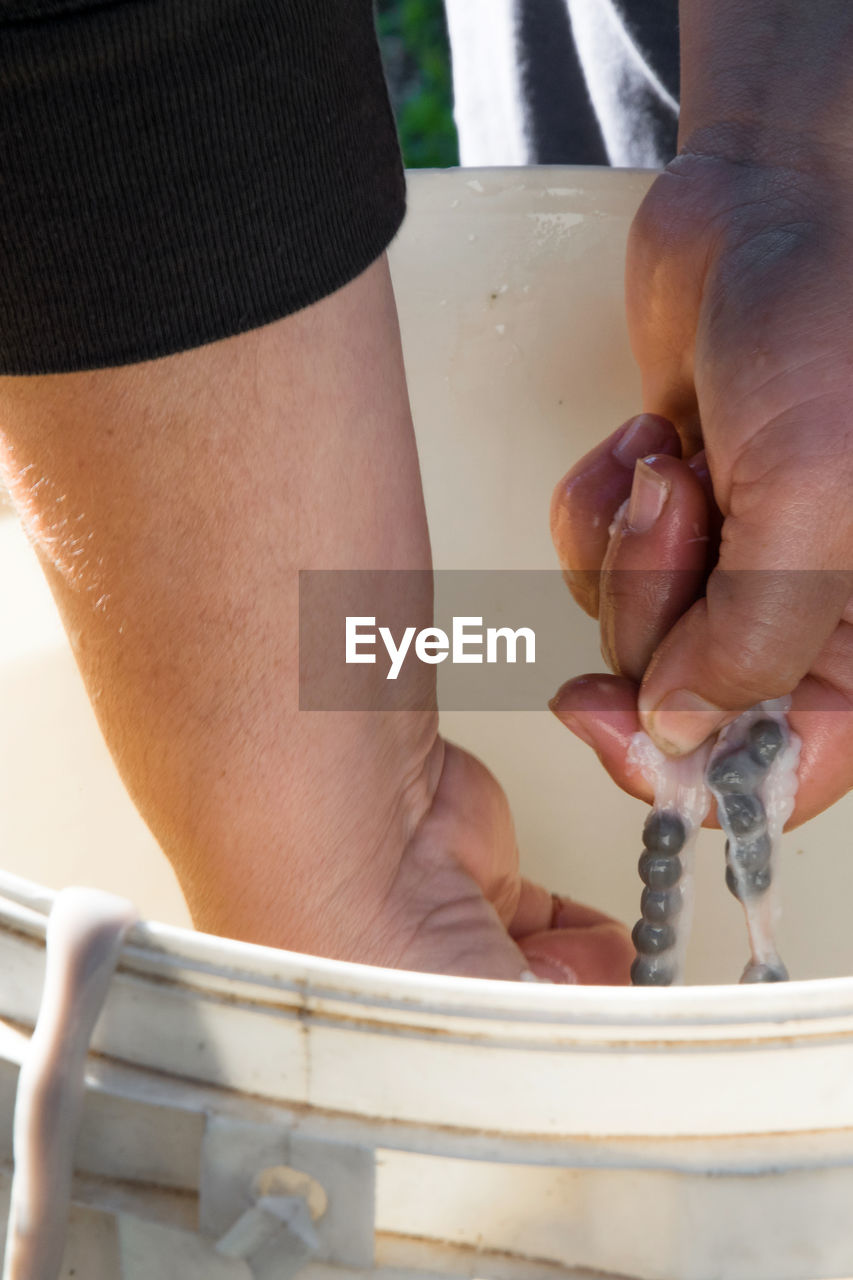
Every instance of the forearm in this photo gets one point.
(173, 504)
(774, 78)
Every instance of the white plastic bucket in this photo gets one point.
(458, 1128)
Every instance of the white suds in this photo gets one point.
(85, 934)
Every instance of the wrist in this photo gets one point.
(762, 84)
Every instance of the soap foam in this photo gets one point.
(85, 933)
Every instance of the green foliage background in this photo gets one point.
(413, 36)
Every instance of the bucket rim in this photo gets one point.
(171, 951)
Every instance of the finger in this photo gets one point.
(569, 914)
(823, 718)
(698, 464)
(538, 909)
(587, 498)
(602, 711)
(654, 568)
(754, 636)
(566, 942)
(822, 714)
(534, 910)
(777, 595)
(599, 954)
(664, 277)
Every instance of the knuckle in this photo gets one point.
(654, 228)
(674, 214)
(707, 207)
(583, 585)
(749, 659)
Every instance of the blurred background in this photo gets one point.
(413, 36)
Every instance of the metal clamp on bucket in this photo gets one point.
(276, 1236)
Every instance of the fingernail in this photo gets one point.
(645, 435)
(548, 969)
(565, 919)
(618, 516)
(649, 493)
(554, 703)
(571, 722)
(527, 975)
(682, 721)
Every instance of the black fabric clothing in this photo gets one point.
(178, 171)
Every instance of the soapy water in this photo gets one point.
(681, 803)
(753, 776)
(85, 934)
(750, 773)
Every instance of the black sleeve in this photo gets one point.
(177, 171)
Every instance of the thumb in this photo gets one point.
(766, 615)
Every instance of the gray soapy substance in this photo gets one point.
(666, 864)
(85, 933)
(752, 773)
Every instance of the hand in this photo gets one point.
(173, 504)
(645, 577)
(458, 904)
(737, 308)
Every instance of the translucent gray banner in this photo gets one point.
(494, 640)
(504, 640)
